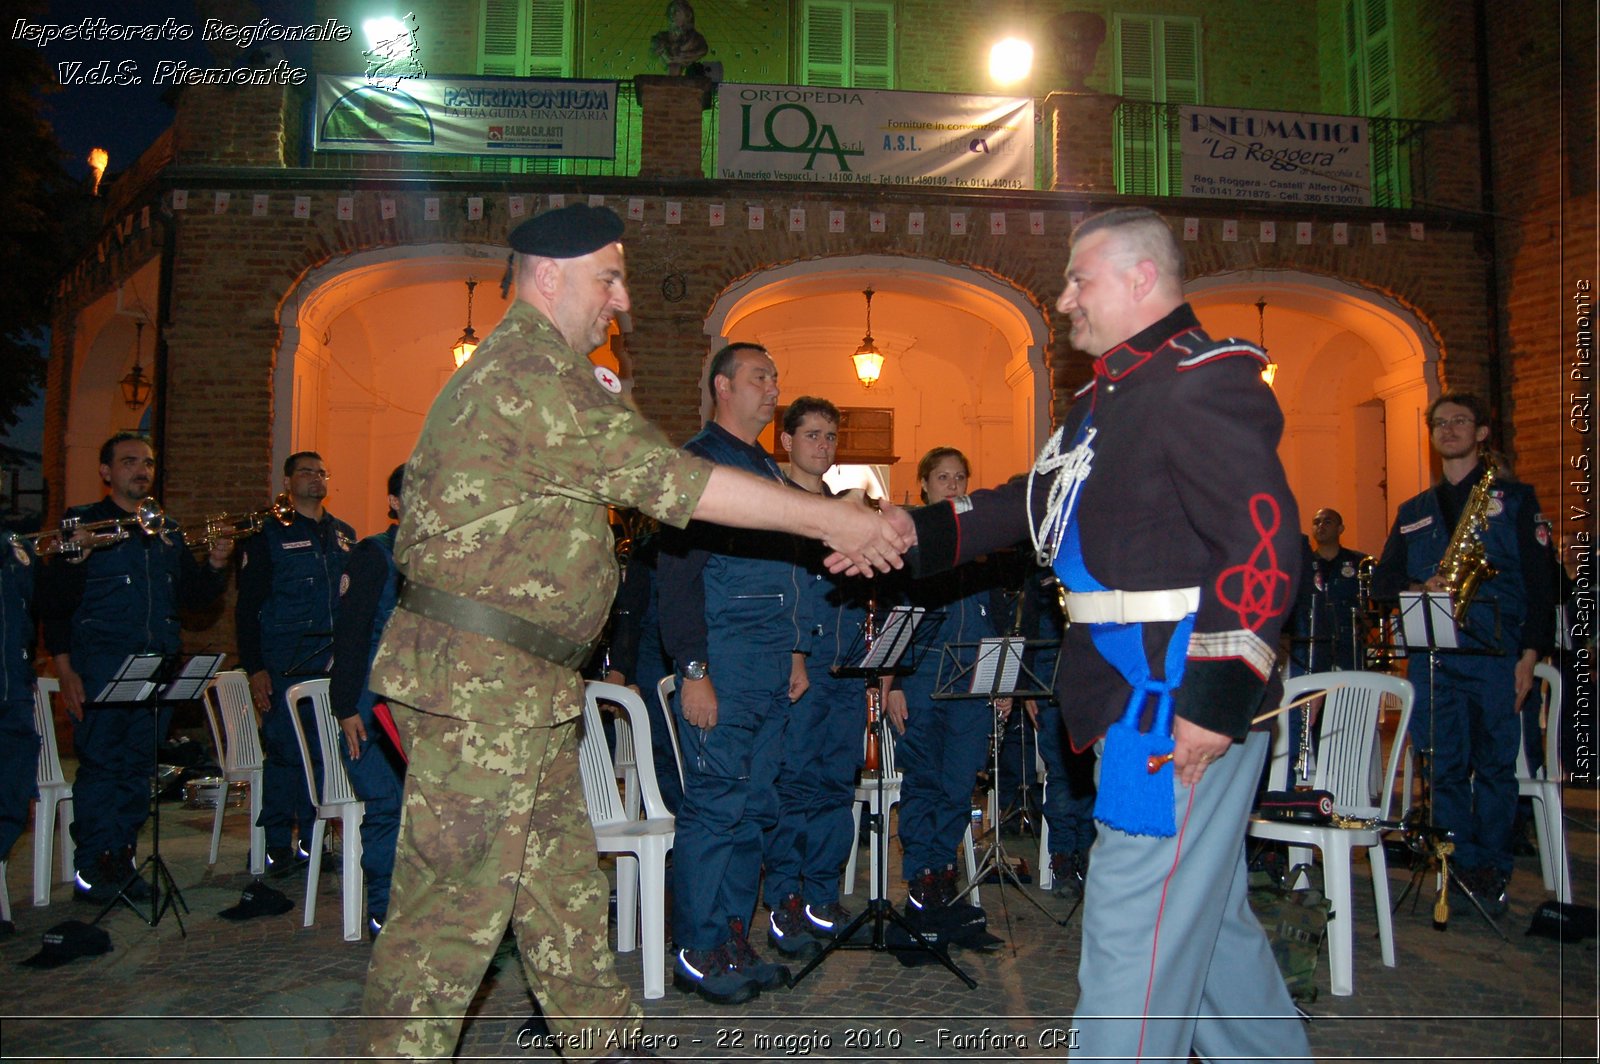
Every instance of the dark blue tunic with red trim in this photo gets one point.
(1184, 489)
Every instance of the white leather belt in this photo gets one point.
(1128, 607)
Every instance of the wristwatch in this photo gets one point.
(694, 670)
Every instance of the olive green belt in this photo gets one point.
(478, 617)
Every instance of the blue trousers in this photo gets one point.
(19, 762)
(285, 801)
(816, 787)
(1069, 785)
(378, 776)
(116, 751)
(943, 747)
(1173, 959)
(730, 800)
(1471, 725)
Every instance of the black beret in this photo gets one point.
(568, 232)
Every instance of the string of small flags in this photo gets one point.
(755, 218)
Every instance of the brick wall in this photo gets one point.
(1542, 97)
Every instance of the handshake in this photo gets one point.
(866, 535)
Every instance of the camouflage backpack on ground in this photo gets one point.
(1296, 922)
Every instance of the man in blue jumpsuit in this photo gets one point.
(370, 590)
(1165, 511)
(288, 594)
(1327, 622)
(97, 609)
(728, 619)
(19, 743)
(827, 725)
(1468, 716)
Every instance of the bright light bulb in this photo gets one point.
(384, 34)
(1010, 61)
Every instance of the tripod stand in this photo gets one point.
(885, 650)
(1428, 624)
(995, 675)
(147, 682)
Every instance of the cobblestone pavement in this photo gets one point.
(270, 989)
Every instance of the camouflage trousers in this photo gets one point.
(494, 832)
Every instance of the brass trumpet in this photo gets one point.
(68, 539)
(223, 526)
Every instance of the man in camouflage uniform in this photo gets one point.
(509, 568)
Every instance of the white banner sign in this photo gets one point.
(874, 137)
(1276, 156)
(468, 116)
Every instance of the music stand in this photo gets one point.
(996, 670)
(153, 682)
(894, 649)
(1428, 625)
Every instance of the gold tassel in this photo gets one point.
(1441, 904)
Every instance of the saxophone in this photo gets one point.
(1465, 564)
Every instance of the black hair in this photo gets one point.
(109, 449)
(808, 404)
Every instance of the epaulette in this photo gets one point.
(1212, 350)
(1086, 389)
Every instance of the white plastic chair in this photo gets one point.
(867, 798)
(641, 844)
(335, 799)
(664, 690)
(1348, 739)
(54, 808)
(623, 760)
(228, 697)
(1545, 789)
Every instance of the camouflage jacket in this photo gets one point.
(505, 502)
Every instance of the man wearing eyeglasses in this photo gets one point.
(288, 591)
(1466, 708)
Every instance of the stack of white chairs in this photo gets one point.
(334, 799)
(641, 844)
(238, 742)
(1544, 788)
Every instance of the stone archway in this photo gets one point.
(1355, 373)
(103, 353)
(364, 350)
(965, 352)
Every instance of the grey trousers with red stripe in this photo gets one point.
(1173, 960)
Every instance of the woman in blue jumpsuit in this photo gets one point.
(943, 742)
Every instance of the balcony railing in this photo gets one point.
(1149, 160)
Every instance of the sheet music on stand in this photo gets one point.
(135, 681)
(1427, 622)
(995, 670)
(889, 646)
(999, 661)
(192, 678)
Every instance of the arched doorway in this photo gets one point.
(104, 340)
(964, 353)
(365, 349)
(1355, 373)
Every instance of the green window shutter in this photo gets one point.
(549, 38)
(1180, 84)
(499, 45)
(872, 47)
(824, 43)
(849, 43)
(1136, 58)
(1157, 59)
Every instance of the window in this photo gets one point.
(526, 38)
(848, 43)
(1157, 60)
(1370, 91)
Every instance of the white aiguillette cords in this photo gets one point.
(1071, 470)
